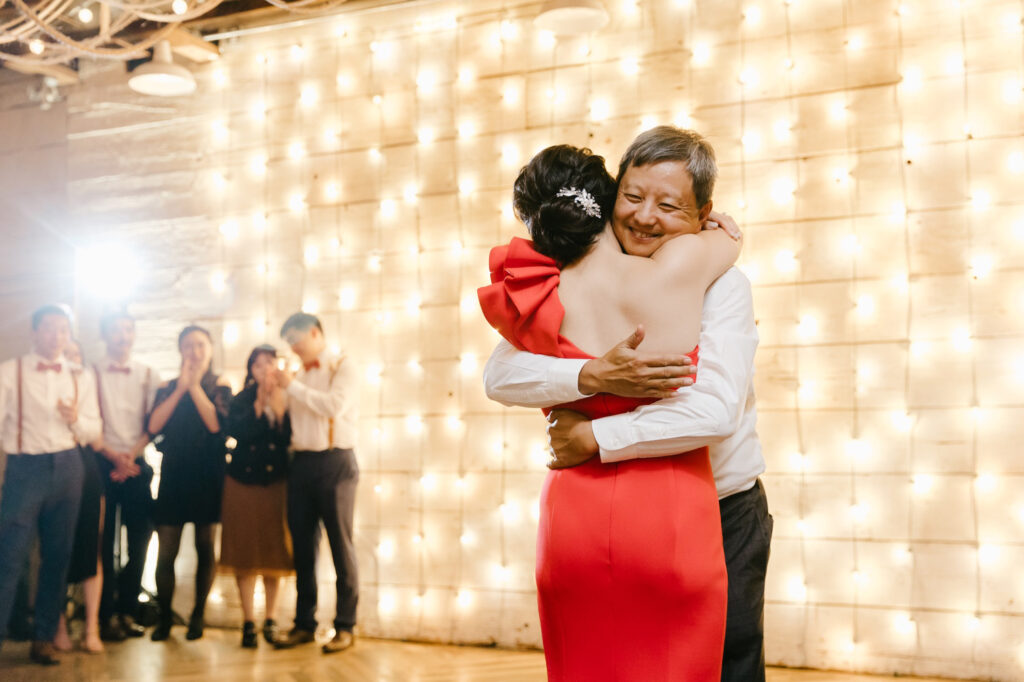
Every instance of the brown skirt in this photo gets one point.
(254, 534)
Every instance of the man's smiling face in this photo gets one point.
(655, 203)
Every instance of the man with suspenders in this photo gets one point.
(126, 390)
(322, 402)
(43, 419)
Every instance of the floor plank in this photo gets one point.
(218, 657)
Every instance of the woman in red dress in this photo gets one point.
(631, 576)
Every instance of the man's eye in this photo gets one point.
(669, 207)
(633, 197)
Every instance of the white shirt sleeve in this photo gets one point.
(88, 427)
(516, 377)
(708, 411)
(339, 397)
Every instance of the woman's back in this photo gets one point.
(607, 293)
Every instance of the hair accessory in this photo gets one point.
(583, 199)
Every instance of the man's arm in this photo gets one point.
(514, 377)
(709, 411)
(335, 400)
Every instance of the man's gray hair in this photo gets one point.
(668, 143)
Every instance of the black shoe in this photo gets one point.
(294, 638)
(43, 653)
(249, 639)
(111, 631)
(129, 627)
(161, 632)
(270, 631)
(195, 628)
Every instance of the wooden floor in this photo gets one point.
(217, 657)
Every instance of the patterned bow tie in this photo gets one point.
(119, 370)
(42, 367)
(312, 365)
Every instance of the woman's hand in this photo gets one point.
(725, 222)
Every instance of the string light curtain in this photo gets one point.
(362, 168)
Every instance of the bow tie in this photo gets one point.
(42, 367)
(311, 365)
(119, 370)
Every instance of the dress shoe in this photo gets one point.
(129, 627)
(249, 638)
(111, 631)
(162, 631)
(342, 640)
(270, 631)
(294, 638)
(43, 653)
(195, 628)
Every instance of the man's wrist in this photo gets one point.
(588, 382)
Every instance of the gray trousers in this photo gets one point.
(747, 536)
(41, 492)
(322, 489)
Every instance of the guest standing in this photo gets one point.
(322, 402)
(84, 566)
(186, 424)
(254, 537)
(126, 391)
(43, 418)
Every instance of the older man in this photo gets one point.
(665, 182)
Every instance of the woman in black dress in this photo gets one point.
(254, 537)
(186, 423)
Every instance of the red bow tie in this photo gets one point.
(312, 365)
(42, 367)
(119, 370)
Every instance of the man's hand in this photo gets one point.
(283, 375)
(725, 222)
(625, 371)
(571, 438)
(68, 411)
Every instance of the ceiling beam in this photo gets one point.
(190, 46)
(63, 74)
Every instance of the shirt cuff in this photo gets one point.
(565, 374)
(608, 434)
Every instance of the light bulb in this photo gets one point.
(331, 191)
(296, 202)
(36, 46)
(630, 66)
(229, 229)
(922, 483)
(599, 109)
(309, 96)
(785, 261)
(426, 135)
(296, 150)
(179, 6)
(85, 15)
(701, 53)
(752, 15)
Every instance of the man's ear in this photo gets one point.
(705, 211)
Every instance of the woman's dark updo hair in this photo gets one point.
(560, 226)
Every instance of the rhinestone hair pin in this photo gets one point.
(583, 199)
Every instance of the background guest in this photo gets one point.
(126, 392)
(85, 565)
(43, 418)
(254, 538)
(323, 405)
(187, 419)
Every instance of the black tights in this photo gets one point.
(169, 538)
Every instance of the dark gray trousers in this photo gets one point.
(746, 535)
(322, 488)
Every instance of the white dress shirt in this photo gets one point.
(40, 427)
(718, 410)
(323, 404)
(125, 399)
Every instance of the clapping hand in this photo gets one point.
(68, 411)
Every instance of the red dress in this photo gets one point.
(631, 578)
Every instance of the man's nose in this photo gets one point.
(645, 214)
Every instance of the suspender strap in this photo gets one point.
(19, 407)
(99, 392)
(330, 422)
(145, 400)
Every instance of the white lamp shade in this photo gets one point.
(161, 77)
(564, 17)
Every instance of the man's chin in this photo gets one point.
(641, 247)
